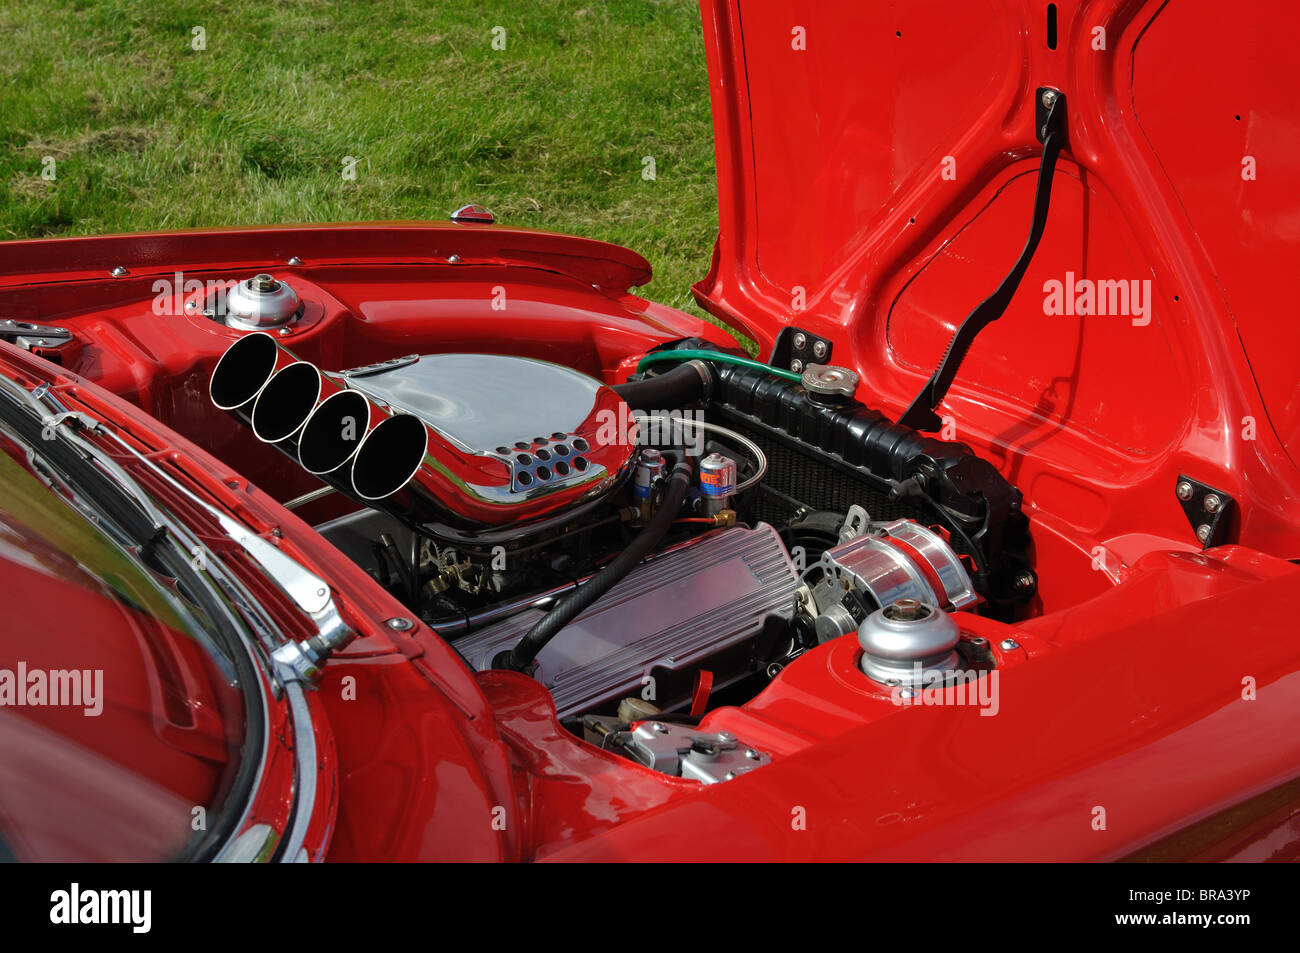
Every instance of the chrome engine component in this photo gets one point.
(885, 563)
(496, 406)
(260, 302)
(910, 644)
(717, 482)
(650, 466)
(829, 381)
(706, 603)
(687, 752)
(468, 440)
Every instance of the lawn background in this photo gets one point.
(148, 133)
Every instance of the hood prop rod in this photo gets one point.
(1050, 128)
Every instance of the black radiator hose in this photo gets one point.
(520, 658)
(672, 390)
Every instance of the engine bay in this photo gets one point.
(646, 550)
(692, 556)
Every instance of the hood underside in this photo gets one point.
(876, 169)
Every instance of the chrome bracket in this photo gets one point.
(27, 335)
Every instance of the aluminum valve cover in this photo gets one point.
(700, 605)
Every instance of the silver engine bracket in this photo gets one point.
(687, 752)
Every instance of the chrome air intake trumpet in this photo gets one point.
(467, 440)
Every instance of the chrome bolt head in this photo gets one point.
(819, 350)
(800, 342)
(908, 610)
(400, 624)
(1184, 490)
(1212, 502)
(796, 366)
(1048, 97)
(118, 271)
(1009, 645)
(1203, 532)
(294, 261)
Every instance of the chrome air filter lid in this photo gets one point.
(546, 429)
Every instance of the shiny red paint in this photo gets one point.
(832, 167)
(1148, 679)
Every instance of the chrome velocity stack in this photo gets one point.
(244, 370)
(335, 429)
(285, 402)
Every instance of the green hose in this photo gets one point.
(659, 356)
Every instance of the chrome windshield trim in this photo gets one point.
(308, 591)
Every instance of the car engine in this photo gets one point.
(644, 549)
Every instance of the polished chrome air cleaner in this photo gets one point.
(460, 439)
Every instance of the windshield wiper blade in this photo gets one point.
(115, 495)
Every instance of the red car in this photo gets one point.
(413, 541)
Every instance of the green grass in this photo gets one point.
(147, 133)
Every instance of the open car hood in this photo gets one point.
(876, 172)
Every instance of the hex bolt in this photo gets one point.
(1212, 502)
(726, 737)
(800, 342)
(119, 272)
(1203, 532)
(796, 366)
(1026, 581)
(294, 261)
(1009, 645)
(660, 727)
(399, 624)
(1184, 490)
(908, 610)
(1049, 97)
(819, 350)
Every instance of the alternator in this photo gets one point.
(879, 564)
